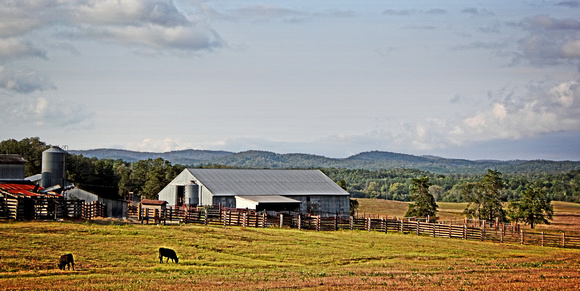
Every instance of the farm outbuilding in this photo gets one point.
(12, 167)
(304, 191)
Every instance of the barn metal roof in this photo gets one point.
(12, 159)
(24, 189)
(228, 182)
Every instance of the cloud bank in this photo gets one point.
(154, 25)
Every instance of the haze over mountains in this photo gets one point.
(368, 160)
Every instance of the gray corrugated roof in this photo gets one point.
(12, 159)
(266, 182)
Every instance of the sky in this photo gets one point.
(458, 79)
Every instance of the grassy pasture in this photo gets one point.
(124, 257)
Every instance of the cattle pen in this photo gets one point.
(459, 229)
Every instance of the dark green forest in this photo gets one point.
(115, 178)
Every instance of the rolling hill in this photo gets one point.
(368, 160)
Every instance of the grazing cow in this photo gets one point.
(66, 260)
(169, 254)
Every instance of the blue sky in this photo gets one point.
(459, 79)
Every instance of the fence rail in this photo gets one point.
(25, 208)
(470, 230)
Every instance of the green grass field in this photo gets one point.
(124, 257)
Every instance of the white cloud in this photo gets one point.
(571, 49)
(542, 109)
(551, 41)
(157, 145)
(129, 12)
(184, 38)
(42, 112)
(23, 80)
(16, 48)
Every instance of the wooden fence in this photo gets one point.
(27, 208)
(93, 210)
(469, 230)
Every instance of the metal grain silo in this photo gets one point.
(53, 167)
(191, 194)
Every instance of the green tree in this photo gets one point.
(372, 190)
(342, 184)
(425, 204)
(484, 197)
(353, 206)
(533, 208)
(397, 191)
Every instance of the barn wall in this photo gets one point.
(169, 193)
(114, 208)
(11, 172)
(325, 205)
(226, 201)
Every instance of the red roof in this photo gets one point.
(26, 189)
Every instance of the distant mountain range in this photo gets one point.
(368, 160)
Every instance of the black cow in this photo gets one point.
(66, 260)
(169, 254)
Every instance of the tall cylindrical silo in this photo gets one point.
(191, 196)
(53, 167)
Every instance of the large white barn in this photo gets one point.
(306, 191)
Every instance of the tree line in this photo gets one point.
(396, 184)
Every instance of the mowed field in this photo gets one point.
(114, 256)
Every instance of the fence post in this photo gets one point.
(225, 217)
(299, 221)
(418, 226)
(542, 238)
(263, 219)
(336, 222)
(245, 219)
(563, 240)
(434, 232)
(385, 225)
(369, 224)
(318, 223)
(522, 236)
(501, 232)
(483, 232)
(205, 218)
(281, 220)
(464, 230)
(351, 222)
(450, 226)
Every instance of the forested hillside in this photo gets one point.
(368, 161)
(184, 157)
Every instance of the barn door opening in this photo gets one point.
(180, 196)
